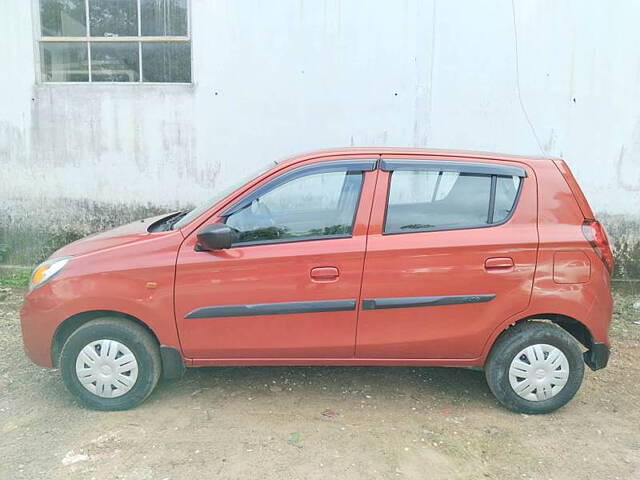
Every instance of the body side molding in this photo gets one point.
(272, 308)
(405, 302)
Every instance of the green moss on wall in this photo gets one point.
(30, 230)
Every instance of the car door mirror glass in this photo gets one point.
(215, 237)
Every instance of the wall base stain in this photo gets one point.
(624, 235)
(31, 229)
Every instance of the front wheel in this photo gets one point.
(110, 364)
(534, 367)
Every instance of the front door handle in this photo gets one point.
(498, 263)
(324, 274)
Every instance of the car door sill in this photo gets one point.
(400, 362)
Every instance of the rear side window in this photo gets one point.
(423, 200)
(506, 192)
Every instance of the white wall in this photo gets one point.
(276, 77)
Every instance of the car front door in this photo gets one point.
(289, 286)
(450, 255)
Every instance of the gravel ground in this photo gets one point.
(320, 422)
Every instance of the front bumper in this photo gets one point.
(38, 322)
(597, 356)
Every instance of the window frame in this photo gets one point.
(346, 166)
(491, 170)
(40, 39)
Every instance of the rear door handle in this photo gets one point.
(498, 263)
(325, 274)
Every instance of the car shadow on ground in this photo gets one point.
(446, 386)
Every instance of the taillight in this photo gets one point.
(596, 235)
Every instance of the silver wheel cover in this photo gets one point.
(539, 372)
(107, 368)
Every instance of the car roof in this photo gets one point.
(448, 153)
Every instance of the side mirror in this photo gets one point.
(217, 236)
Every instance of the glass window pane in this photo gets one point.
(316, 205)
(109, 18)
(424, 200)
(64, 62)
(63, 18)
(163, 17)
(114, 62)
(166, 62)
(506, 191)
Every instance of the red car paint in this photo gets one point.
(537, 264)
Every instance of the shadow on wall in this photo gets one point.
(31, 230)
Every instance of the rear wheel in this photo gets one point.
(110, 364)
(534, 367)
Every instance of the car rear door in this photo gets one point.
(451, 253)
(289, 286)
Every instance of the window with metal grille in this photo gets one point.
(129, 41)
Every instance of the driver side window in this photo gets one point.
(317, 205)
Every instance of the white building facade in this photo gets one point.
(112, 109)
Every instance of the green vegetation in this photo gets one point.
(625, 311)
(14, 277)
(265, 233)
(275, 233)
(331, 230)
(627, 259)
(58, 239)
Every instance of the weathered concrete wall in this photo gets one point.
(275, 78)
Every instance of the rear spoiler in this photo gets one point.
(575, 189)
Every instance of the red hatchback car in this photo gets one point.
(346, 257)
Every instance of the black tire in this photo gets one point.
(513, 341)
(135, 338)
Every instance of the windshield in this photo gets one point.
(224, 191)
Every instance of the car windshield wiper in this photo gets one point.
(167, 222)
(173, 220)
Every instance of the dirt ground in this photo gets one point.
(320, 422)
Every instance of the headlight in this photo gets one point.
(47, 270)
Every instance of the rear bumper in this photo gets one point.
(597, 356)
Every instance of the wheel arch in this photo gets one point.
(574, 327)
(71, 324)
